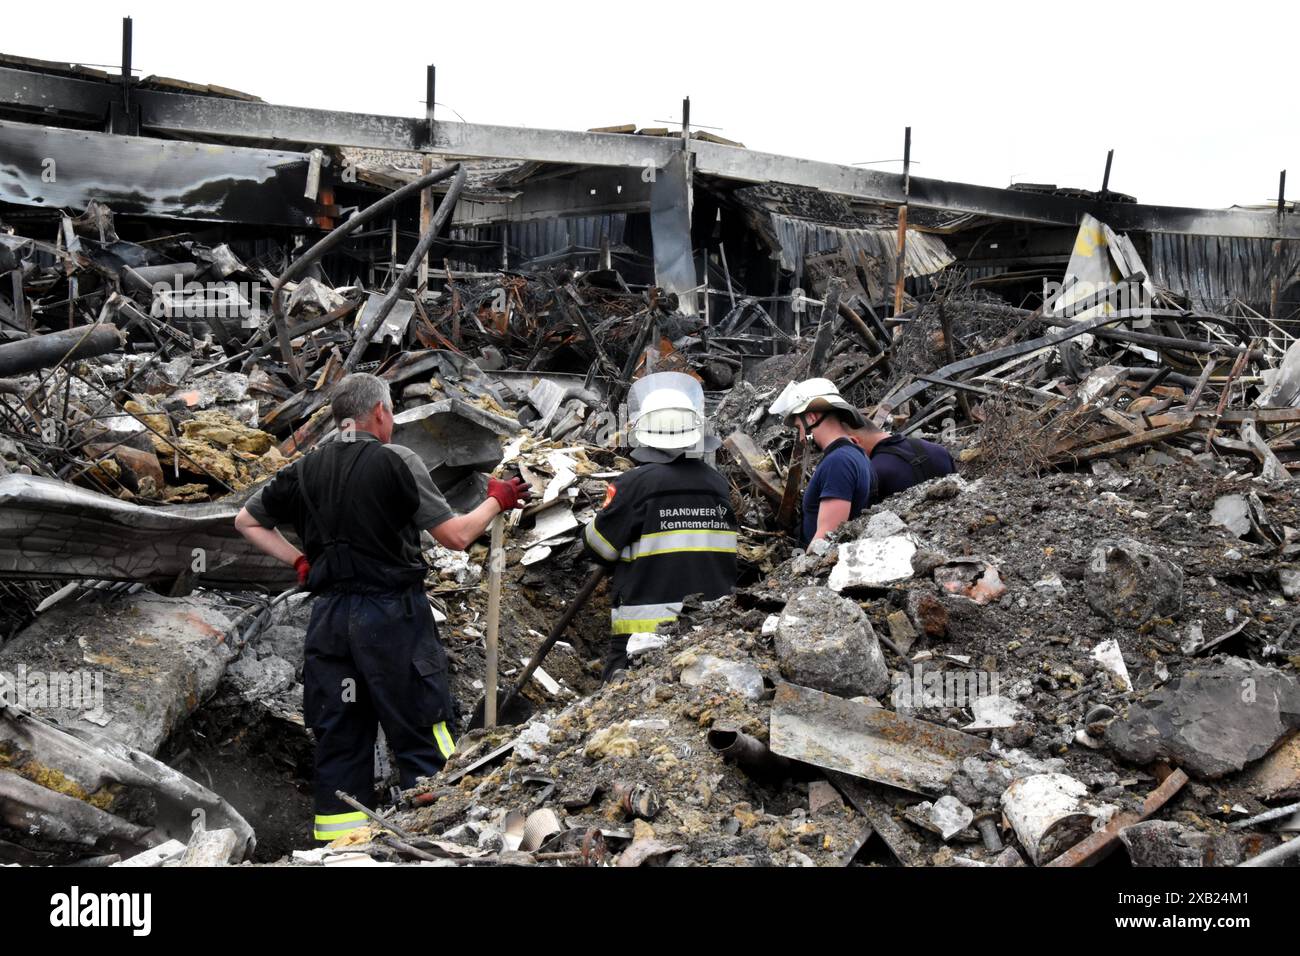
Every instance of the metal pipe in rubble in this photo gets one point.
(1276, 856)
(43, 351)
(329, 242)
(445, 209)
(750, 754)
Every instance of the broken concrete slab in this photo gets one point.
(154, 659)
(739, 677)
(284, 641)
(947, 816)
(257, 679)
(1111, 658)
(873, 562)
(1233, 513)
(1129, 583)
(156, 856)
(869, 742)
(826, 642)
(457, 441)
(211, 848)
(994, 712)
(1212, 721)
(884, 524)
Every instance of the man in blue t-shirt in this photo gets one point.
(841, 486)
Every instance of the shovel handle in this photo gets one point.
(579, 600)
(495, 560)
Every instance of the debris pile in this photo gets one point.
(1083, 644)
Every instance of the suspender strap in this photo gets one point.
(916, 457)
(336, 551)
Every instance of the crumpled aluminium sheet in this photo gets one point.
(52, 530)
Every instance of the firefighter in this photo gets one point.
(358, 505)
(840, 488)
(667, 526)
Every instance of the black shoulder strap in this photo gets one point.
(336, 551)
(915, 455)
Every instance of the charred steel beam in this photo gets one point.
(213, 116)
(329, 242)
(56, 168)
(42, 351)
(49, 93)
(440, 218)
(744, 164)
(189, 115)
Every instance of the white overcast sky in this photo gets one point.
(1196, 98)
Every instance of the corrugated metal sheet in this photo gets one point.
(1213, 271)
(540, 237)
(925, 255)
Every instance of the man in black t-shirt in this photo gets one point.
(358, 505)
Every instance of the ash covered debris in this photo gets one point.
(1042, 660)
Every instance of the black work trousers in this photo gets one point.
(373, 659)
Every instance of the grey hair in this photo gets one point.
(356, 394)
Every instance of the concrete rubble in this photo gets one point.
(1083, 645)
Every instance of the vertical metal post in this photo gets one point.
(126, 64)
(1105, 179)
(900, 263)
(20, 302)
(426, 220)
(1277, 248)
(686, 118)
(426, 167)
(430, 86)
(120, 112)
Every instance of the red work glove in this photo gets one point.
(303, 567)
(514, 493)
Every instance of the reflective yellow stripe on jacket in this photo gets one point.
(676, 542)
(642, 618)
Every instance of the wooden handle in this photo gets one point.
(496, 560)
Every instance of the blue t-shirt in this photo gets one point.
(844, 473)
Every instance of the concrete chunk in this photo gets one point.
(1128, 583)
(1212, 721)
(825, 642)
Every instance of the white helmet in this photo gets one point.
(667, 411)
(811, 395)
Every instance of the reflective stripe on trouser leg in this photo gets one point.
(331, 826)
(441, 737)
(642, 618)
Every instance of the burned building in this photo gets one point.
(186, 271)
